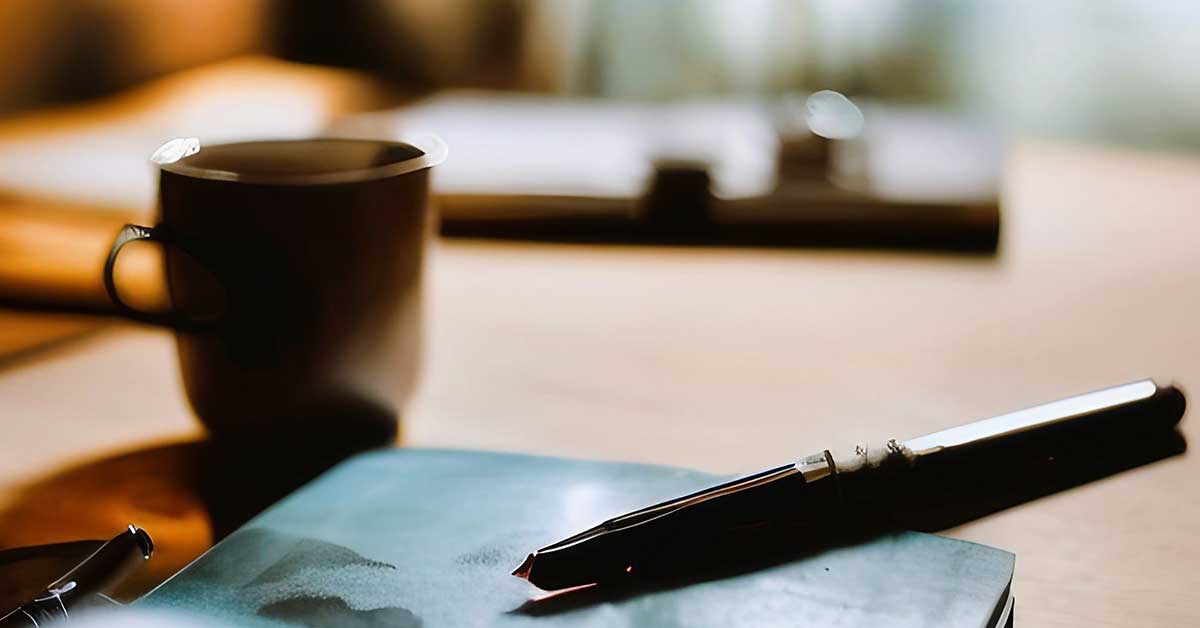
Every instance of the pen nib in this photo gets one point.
(523, 570)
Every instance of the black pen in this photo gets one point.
(842, 480)
(109, 564)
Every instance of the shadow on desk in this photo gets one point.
(188, 495)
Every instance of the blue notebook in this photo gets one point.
(406, 538)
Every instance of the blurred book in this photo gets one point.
(428, 537)
(702, 171)
(546, 168)
(530, 145)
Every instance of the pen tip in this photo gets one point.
(145, 543)
(523, 570)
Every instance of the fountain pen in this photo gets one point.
(842, 481)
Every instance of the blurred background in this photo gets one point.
(89, 88)
(1107, 70)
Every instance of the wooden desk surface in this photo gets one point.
(733, 360)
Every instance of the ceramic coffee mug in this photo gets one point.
(294, 273)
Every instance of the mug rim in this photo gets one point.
(351, 175)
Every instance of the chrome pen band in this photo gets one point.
(858, 470)
(816, 466)
(891, 454)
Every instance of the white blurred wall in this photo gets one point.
(1107, 70)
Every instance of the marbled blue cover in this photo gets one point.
(428, 538)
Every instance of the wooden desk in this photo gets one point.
(732, 360)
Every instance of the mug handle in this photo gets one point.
(131, 233)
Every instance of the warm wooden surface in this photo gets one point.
(733, 360)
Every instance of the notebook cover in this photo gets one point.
(428, 538)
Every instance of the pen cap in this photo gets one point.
(1123, 411)
(1127, 413)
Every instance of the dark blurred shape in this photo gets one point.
(415, 44)
(679, 210)
(346, 34)
(69, 51)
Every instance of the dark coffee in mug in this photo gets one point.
(294, 272)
